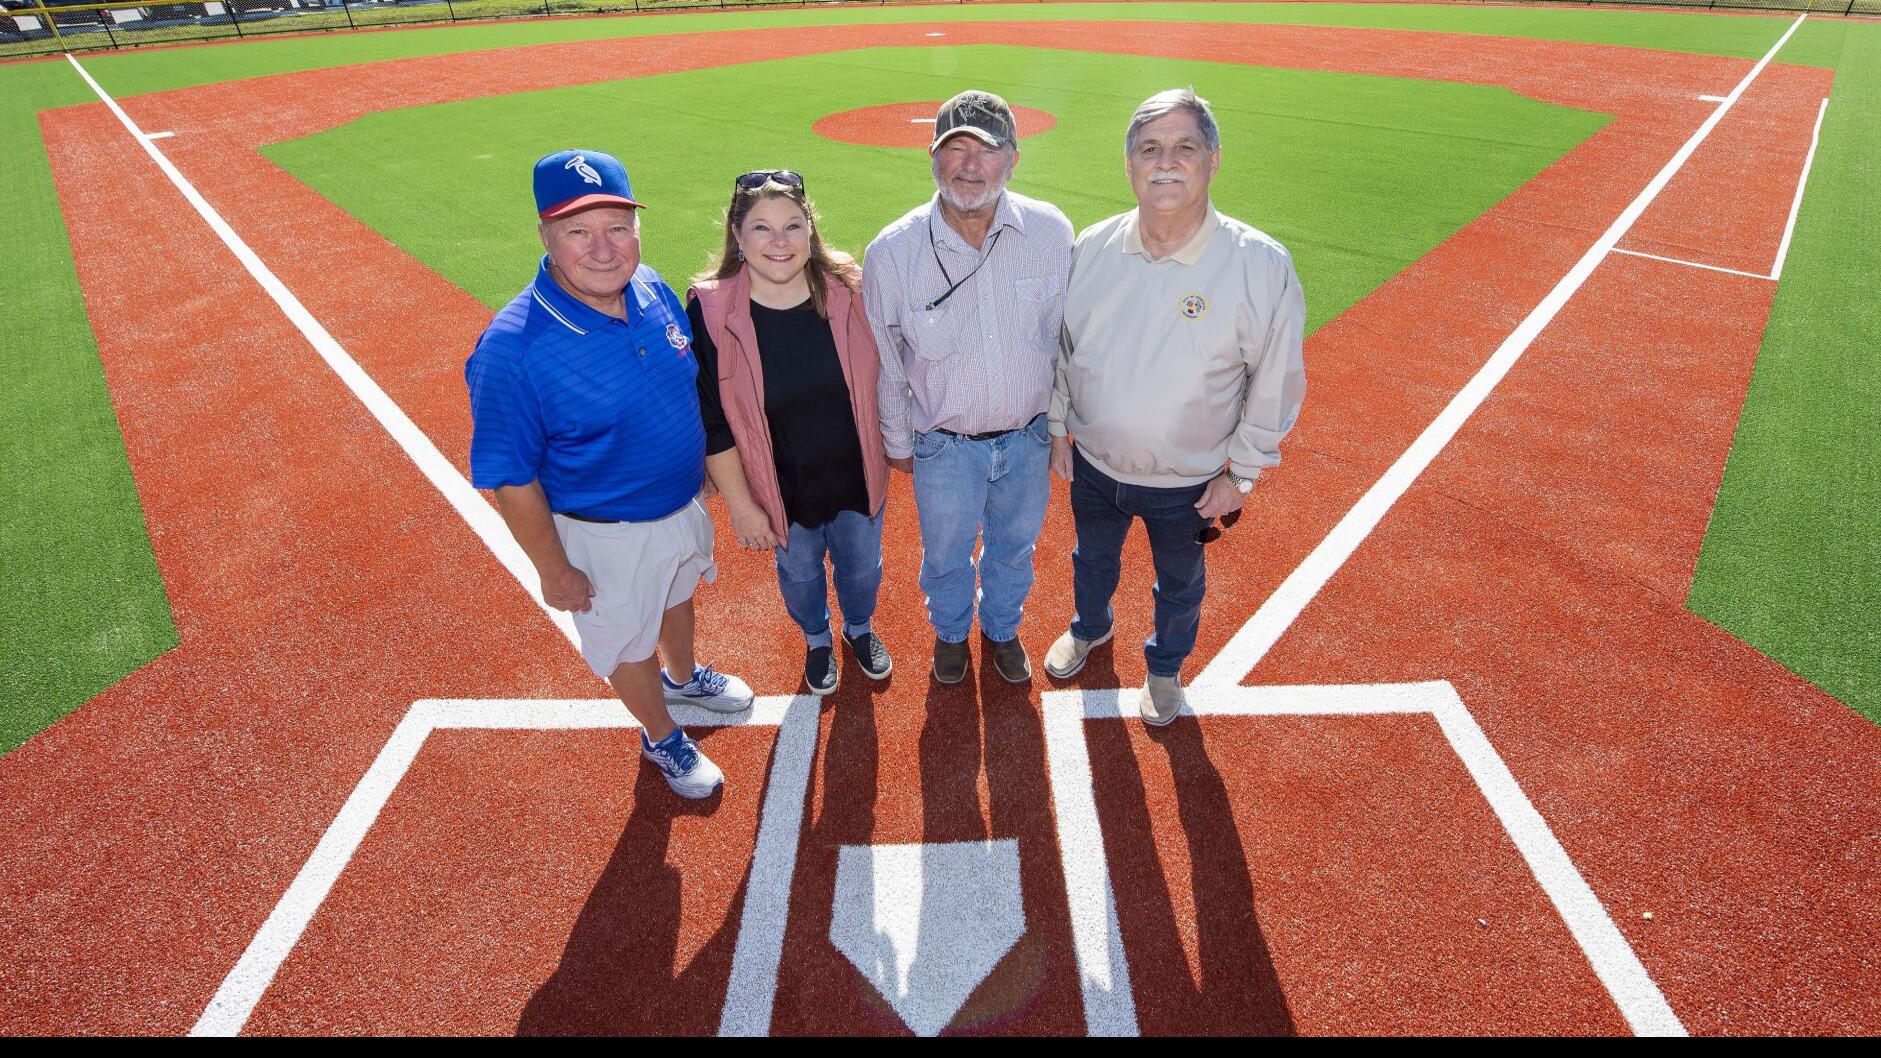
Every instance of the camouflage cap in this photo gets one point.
(981, 114)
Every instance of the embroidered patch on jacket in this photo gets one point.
(675, 336)
(1195, 306)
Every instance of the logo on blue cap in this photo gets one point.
(571, 181)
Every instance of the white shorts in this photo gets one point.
(639, 571)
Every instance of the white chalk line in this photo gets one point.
(1694, 264)
(476, 512)
(1796, 206)
(761, 934)
(1277, 614)
(1789, 224)
(1103, 969)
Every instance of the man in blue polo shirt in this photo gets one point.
(585, 421)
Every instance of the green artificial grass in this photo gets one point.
(1792, 561)
(82, 604)
(1358, 176)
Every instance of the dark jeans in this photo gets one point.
(1102, 508)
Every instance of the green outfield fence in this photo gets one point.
(49, 27)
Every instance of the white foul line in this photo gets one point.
(1693, 264)
(760, 942)
(1104, 973)
(1789, 229)
(158, 136)
(482, 519)
(1284, 606)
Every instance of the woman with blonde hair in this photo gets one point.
(787, 372)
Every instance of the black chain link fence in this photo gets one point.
(72, 25)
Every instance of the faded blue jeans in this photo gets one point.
(853, 542)
(991, 492)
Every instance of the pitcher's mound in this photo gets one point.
(908, 124)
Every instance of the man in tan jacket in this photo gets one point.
(1181, 371)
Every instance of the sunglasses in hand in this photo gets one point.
(1212, 532)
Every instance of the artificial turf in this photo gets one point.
(1792, 560)
(1789, 566)
(1358, 176)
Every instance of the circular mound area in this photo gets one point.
(909, 124)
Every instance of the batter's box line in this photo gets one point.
(760, 944)
(1103, 969)
(1109, 1003)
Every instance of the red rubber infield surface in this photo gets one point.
(1272, 874)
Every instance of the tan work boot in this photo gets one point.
(1009, 660)
(1162, 700)
(950, 661)
(1067, 656)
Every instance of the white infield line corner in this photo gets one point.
(1103, 971)
(761, 932)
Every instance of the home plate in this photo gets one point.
(926, 923)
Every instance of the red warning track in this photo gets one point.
(1286, 874)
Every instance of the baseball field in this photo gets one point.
(1537, 692)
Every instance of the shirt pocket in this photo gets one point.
(932, 333)
(1043, 288)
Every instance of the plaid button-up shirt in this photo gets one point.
(984, 359)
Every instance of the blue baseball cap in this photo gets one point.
(571, 181)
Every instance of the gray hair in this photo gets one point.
(1165, 103)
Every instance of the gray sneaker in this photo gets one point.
(1067, 656)
(708, 689)
(1162, 700)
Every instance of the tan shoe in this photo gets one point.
(950, 661)
(1009, 660)
(1162, 700)
(1067, 656)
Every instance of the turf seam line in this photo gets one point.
(482, 519)
(1097, 941)
(775, 853)
(1279, 611)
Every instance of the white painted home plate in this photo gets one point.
(925, 924)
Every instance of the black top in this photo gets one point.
(806, 399)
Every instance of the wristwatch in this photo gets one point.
(1241, 485)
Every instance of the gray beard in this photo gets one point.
(991, 196)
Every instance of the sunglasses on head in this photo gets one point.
(757, 178)
(1212, 532)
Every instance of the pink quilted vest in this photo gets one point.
(726, 306)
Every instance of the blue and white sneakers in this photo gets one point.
(708, 689)
(688, 771)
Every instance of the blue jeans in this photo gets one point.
(853, 542)
(990, 491)
(1102, 508)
